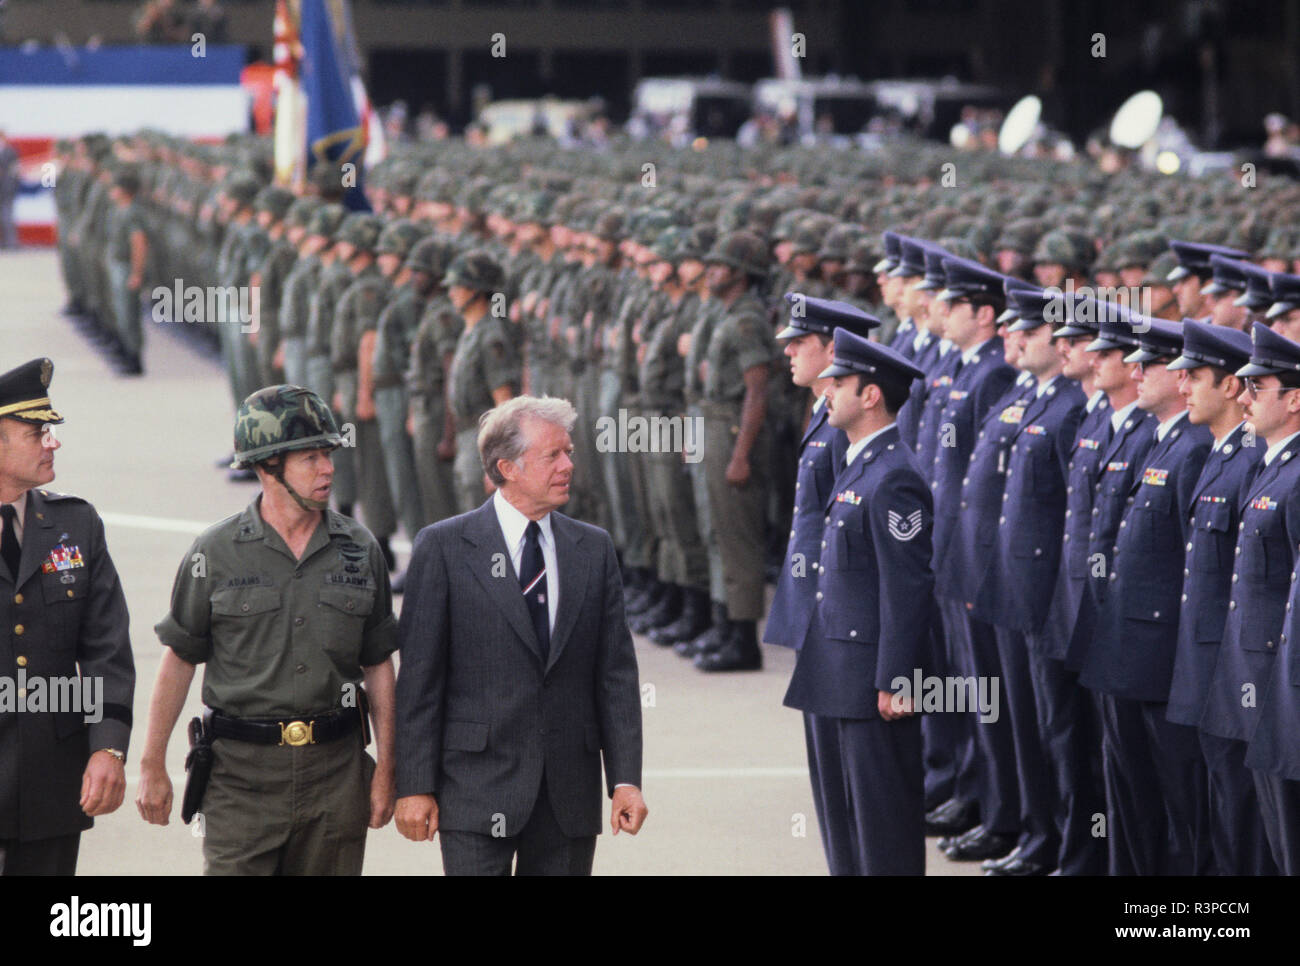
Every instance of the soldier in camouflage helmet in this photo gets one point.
(314, 252)
(292, 789)
(268, 278)
(1061, 254)
(485, 368)
(126, 262)
(735, 367)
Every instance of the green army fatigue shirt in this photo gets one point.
(295, 304)
(741, 340)
(662, 371)
(486, 358)
(437, 335)
(394, 333)
(123, 223)
(280, 636)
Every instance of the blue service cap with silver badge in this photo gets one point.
(1286, 294)
(1082, 316)
(1161, 339)
(1228, 275)
(1271, 354)
(1118, 327)
(1012, 284)
(1034, 308)
(813, 315)
(934, 272)
(911, 258)
(857, 355)
(1207, 344)
(1194, 258)
(1258, 295)
(963, 277)
(890, 241)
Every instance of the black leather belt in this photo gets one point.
(321, 729)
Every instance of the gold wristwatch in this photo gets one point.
(119, 755)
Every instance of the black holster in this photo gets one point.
(198, 766)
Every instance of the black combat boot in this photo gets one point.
(663, 613)
(649, 597)
(739, 650)
(709, 639)
(692, 622)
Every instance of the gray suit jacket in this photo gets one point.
(479, 719)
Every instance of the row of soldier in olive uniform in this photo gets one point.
(1110, 544)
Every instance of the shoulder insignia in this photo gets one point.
(904, 529)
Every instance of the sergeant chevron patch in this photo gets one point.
(904, 529)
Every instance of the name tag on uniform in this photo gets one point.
(1012, 414)
(1089, 444)
(848, 496)
(1033, 429)
(1264, 503)
(1117, 467)
(1155, 477)
(62, 558)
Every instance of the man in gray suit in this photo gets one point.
(517, 668)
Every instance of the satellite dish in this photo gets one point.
(1136, 121)
(1019, 125)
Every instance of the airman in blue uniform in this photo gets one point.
(1027, 548)
(1261, 581)
(870, 636)
(1152, 826)
(809, 345)
(1272, 753)
(1193, 271)
(1211, 356)
(973, 298)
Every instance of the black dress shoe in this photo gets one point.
(953, 817)
(1011, 856)
(988, 845)
(1020, 867)
(950, 842)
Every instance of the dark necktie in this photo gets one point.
(9, 548)
(532, 578)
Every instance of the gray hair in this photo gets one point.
(501, 430)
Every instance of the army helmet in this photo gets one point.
(1064, 246)
(326, 219)
(361, 230)
(274, 199)
(741, 250)
(398, 238)
(476, 270)
(430, 255)
(281, 419)
(301, 211)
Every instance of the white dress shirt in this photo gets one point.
(855, 449)
(1163, 429)
(513, 524)
(1118, 416)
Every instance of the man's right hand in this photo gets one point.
(417, 817)
(153, 796)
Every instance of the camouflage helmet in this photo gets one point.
(741, 250)
(361, 230)
(281, 419)
(669, 244)
(608, 226)
(783, 228)
(326, 219)
(274, 199)
(837, 242)
(862, 257)
(698, 242)
(301, 211)
(810, 232)
(536, 207)
(1063, 246)
(1018, 235)
(242, 188)
(652, 226)
(476, 270)
(430, 255)
(398, 238)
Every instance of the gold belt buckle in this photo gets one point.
(296, 733)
